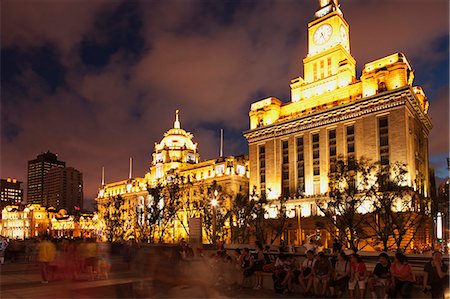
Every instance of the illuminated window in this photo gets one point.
(322, 71)
(350, 132)
(220, 169)
(300, 166)
(329, 66)
(316, 154)
(262, 169)
(383, 132)
(332, 150)
(285, 168)
(315, 71)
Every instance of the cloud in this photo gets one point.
(125, 68)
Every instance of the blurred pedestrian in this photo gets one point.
(46, 255)
(3, 244)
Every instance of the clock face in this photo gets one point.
(322, 34)
(343, 35)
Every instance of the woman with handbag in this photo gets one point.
(341, 275)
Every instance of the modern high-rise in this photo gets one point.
(37, 168)
(382, 116)
(63, 188)
(11, 192)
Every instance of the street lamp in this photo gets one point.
(299, 217)
(214, 207)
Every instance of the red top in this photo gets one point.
(402, 272)
(359, 268)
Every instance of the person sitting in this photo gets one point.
(358, 276)
(435, 277)
(322, 272)
(341, 275)
(306, 277)
(279, 273)
(381, 276)
(402, 276)
(292, 273)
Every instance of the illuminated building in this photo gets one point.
(37, 169)
(33, 220)
(381, 116)
(63, 189)
(20, 221)
(10, 192)
(176, 155)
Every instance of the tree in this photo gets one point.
(215, 214)
(345, 199)
(112, 212)
(398, 210)
(242, 214)
(267, 227)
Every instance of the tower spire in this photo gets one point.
(131, 168)
(176, 124)
(221, 142)
(103, 175)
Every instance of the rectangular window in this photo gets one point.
(383, 132)
(329, 66)
(262, 169)
(285, 168)
(322, 71)
(316, 154)
(332, 150)
(300, 166)
(350, 133)
(315, 71)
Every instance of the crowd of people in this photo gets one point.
(62, 259)
(338, 275)
(315, 274)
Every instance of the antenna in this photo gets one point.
(131, 168)
(176, 124)
(221, 142)
(103, 175)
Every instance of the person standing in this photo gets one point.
(3, 244)
(435, 278)
(46, 255)
(259, 263)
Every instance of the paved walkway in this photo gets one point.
(20, 280)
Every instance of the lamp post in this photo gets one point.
(299, 222)
(214, 208)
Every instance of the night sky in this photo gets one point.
(98, 81)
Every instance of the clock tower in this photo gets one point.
(329, 64)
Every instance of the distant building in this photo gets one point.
(10, 192)
(63, 189)
(37, 169)
(177, 156)
(33, 220)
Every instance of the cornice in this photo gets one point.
(365, 106)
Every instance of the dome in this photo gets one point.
(176, 146)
